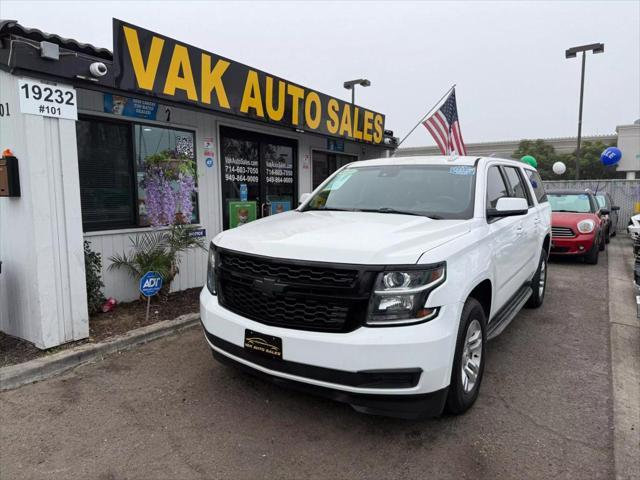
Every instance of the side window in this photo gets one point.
(496, 188)
(536, 184)
(518, 188)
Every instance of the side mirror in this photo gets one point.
(615, 208)
(604, 211)
(304, 197)
(508, 207)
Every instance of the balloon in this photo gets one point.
(530, 160)
(611, 156)
(559, 168)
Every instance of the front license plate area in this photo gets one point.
(262, 344)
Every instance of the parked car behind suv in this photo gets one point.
(578, 224)
(382, 288)
(610, 219)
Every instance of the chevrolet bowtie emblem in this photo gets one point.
(268, 286)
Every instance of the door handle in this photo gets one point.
(519, 230)
(536, 220)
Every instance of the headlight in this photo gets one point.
(586, 226)
(211, 271)
(400, 296)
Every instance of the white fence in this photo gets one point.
(625, 194)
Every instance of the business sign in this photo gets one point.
(130, 107)
(150, 284)
(38, 98)
(153, 64)
(198, 233)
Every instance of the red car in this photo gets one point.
(577, 224)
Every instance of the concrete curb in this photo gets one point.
(14, 376)
(625, 360)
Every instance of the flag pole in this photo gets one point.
(426, 115)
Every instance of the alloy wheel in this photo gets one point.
(543, 278)
(471, 356)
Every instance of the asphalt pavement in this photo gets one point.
(166, 410)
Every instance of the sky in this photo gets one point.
(506, 58)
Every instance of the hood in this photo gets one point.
(567, 219)
(343, 237)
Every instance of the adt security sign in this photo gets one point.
(150, 284)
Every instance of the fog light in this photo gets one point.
(580, 247)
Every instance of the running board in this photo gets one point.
(508, 312)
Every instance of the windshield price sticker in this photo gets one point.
(37, 98)
(462, 170)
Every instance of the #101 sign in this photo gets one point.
(38, 98)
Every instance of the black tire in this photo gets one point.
(459, 398)
(602, 243)
(613, 234)
(591, 257)
(607, 237)
(537, 297)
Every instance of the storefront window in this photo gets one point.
(111, 159)
(151, 140)
(106, 184)
(325, 163)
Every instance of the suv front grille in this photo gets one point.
(292, 294)
(565, 232)
(298, 273)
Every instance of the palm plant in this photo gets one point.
(158, 251)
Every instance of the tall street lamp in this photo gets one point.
(571, 53)
(351, 85)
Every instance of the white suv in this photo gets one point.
(382, 288)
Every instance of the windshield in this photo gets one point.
(435, 191)
(570, 202)
(602, 201)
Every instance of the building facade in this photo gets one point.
(258, 143)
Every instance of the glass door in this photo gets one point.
(278, 179)
(258, 175)
(325, 163)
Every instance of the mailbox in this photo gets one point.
(9, 177)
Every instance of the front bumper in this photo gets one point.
(332, 363)
(578, 245)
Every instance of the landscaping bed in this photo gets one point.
(102, 326)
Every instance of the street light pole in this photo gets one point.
(572, 53)
(584, 56)
(351, 85)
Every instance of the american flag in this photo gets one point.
(444, 127)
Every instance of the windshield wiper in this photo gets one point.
(568, 211)
(399, 212)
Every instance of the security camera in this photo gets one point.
(98, 69)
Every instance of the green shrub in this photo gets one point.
(93, 267)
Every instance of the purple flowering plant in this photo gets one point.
(169, 183)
